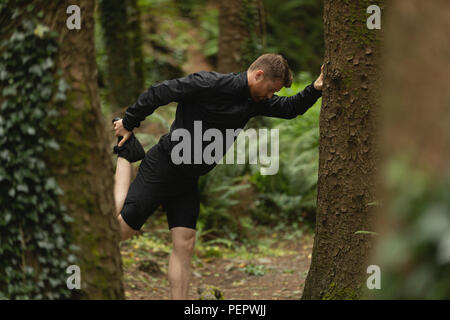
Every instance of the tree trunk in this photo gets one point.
(347, 155)
(113, 17)
(415, 143)
(241, 35)
(82, 166)
(137, 57)
(417, 98)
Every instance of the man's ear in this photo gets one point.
(259, 75)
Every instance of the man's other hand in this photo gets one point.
(319, 81)
(121, 131)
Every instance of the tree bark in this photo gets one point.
(347, 153)
(113, 17)
(416, 83)
(415, 143)
(241, 34)
(137, 57)
(82, 166)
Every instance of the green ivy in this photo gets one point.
(35, 242)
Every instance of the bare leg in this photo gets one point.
(122, 182)
(121, 186)
(180, 262)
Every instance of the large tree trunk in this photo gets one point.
(413, 253)
(242, 33)
(114, 21)
(347, 155)
(83, 165)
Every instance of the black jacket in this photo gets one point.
(220, 101)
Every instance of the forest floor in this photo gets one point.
(272, 266)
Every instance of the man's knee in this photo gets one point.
(126, 231)
(183, 240)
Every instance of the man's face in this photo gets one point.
(261, 88)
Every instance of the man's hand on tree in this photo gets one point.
(121, 131)
(319, 81)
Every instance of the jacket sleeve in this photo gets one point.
(160, 94)
(289, 107)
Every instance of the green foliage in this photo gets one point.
(255, 270)
(218, 192)
(35, 242)
(209, 24)
(414, 256)
(290, 195)
(295, 29)
(189, 7)
(165, 41)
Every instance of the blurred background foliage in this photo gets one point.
(179, 37)
(414, 252)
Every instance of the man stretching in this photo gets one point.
(219, 101)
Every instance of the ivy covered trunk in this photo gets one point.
(56, 172)
(241, 34)
(347, 153)
(83, 165)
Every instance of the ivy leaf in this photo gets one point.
(46, 93)
(22, 187)
(36, 69)
(17, 36)
(6, 55)
(10, 91)
(62, 85)
(60, 97)
(40, 30)
(53, 144)
(3, 75)
(5, 155)
(25, 59)
(50, 184)
(7, 217)
(47, 64)
(12, 192)
(31, 131)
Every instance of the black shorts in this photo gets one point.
(160, 182)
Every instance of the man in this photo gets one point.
(220, 101)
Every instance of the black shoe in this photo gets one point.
(131, 150)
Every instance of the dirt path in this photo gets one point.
(275, 271)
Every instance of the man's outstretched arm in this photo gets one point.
(290, 107)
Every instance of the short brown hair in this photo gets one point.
(275, 67)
